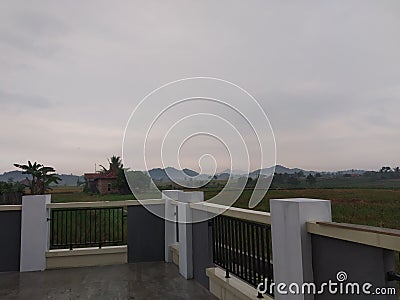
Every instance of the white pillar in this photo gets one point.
(34, 232)
(291, 244)
(170, 229)
(185, 218)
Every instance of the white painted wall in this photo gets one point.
(185, 219)
(34, 232)
(291, 243)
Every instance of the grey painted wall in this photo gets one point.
(10, 237)
(361, 263)
(202, 251)
(145, 235)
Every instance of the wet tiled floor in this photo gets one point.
(156, 280)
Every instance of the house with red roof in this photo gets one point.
(102, 182)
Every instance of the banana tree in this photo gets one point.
(42, 177)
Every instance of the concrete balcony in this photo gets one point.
(230, 254)
(152, 280)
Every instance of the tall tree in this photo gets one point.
(385, 169)
(114, 163)
(42, 177)
(311, 179)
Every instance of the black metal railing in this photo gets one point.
(176, 224)
(87, 227)
(243, 248)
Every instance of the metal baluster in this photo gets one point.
(253, 256)
(230, 241)
(239, 248)
(56, 213)
(226, 244)
(246, 249)
(235, 222)
(83, 212)
(269, 269)
(112, 240)
(264, 232)
(177, 224)
(76, 227)
(257, 237)
(90, 226)
(213, 238)
(95, 227)
(122, 225)
(70, 229)
(100, 228)
(109, 226)
(66, 227)
(221, 241)
(242, 270)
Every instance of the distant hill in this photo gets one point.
(280, 170)
(161, 175)
(353, 171)
(224, 176)
(66, 180)
(190, 173)
(15, 175)
(233, 172)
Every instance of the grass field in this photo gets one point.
(375, 207)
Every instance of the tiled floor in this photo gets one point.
(129, 281)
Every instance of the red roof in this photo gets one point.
(112, 174)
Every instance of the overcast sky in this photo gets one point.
(327, 73)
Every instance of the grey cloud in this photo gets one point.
(32, 32)
(15, 100)
(326, 73)
(39, 24)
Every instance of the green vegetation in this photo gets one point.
(139, 180)
(41, 179)
(376, 180)
(85, 197)
(11, 192)
(375, 207)
(88, 227)
(11, 187)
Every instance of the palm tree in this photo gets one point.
(42, 177)
(114, 163)
(116, 167)
(385, 169)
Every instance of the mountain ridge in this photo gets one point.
(160, 174)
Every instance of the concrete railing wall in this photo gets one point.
(304, 250)
(10, 238)
(145, 234)
(361, 263)
(307, 246)
(202, 248)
